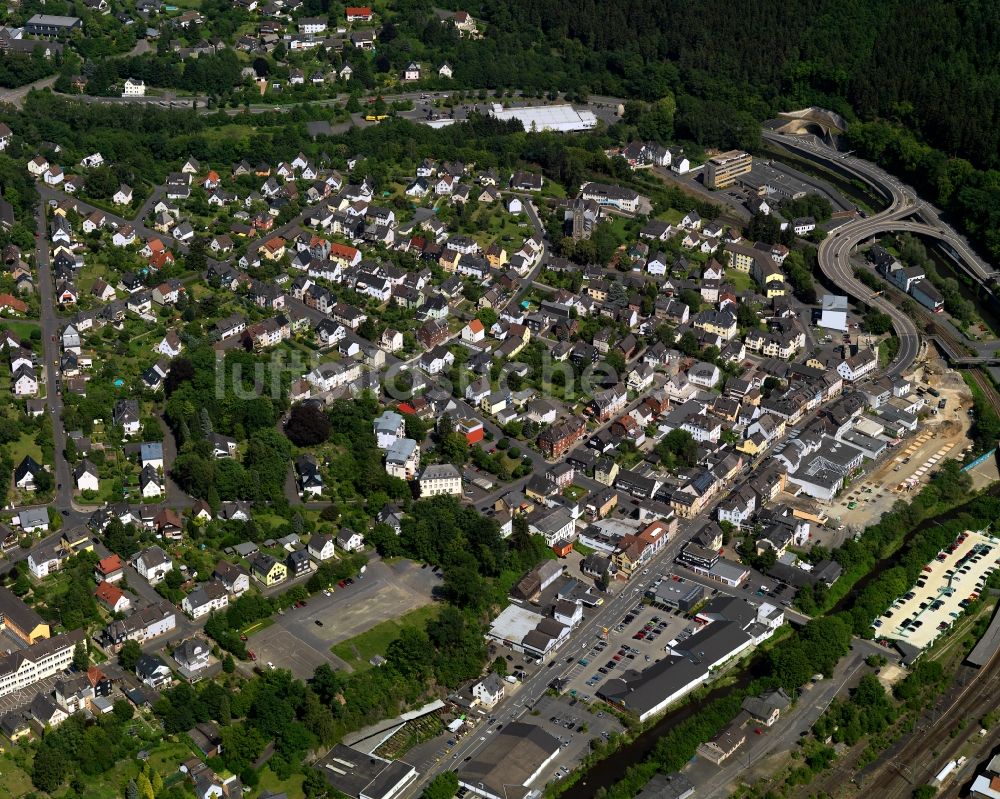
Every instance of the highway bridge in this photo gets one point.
(834, 254)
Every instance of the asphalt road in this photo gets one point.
(834, 252)
(51, 348)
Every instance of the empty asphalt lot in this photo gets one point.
(386, 591)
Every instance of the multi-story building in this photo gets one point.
(402, 459)
(558, 438)
(722, 170)
(51, 25)
(207, 597)
(143, 625)
(23, 668)
(440, 479)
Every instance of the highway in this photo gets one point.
(834, 253)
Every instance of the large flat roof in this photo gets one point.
(642, 691)
(513, 623)
(359, 774)
(510, 759)
(52, 19)
(562, 117)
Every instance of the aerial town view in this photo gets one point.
(502, 400)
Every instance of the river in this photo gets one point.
(607, 772)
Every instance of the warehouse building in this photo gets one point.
(362, 776)
(510, 764)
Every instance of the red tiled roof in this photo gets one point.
(109, 594)
(110, 564)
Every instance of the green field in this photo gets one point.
(20, 328)
(26, 445)
(292, 787)
(15, 783)
(672, 216)
(740, 281)
(359, 650)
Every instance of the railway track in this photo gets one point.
(987, 387)
(979, 377)
(938, 738)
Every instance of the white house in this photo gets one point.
(402, 459)
(134, 87)
(153, 564)
(124, 236)
(37, 166)
(42, 564)
(474, 331)
(25, 382)
(170, 345)
(388, 428)
(489, 691)
(54, 176)
(123, 196)
(858, 365)
(803, 226)
(86, 476)
(321, 547)
(350, 541)
(205, 598)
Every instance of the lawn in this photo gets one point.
(359, 650)
(257, 626)
(740, 281)
(20, 329)
(89, 275)
(15, 783)
(292, 788)
(672, 216)
(26, 445)
(269, 520)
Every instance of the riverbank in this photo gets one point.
(670, 741)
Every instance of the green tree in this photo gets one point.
(81, 658)
(129, 655)
(443, 786)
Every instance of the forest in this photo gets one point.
(731, 64)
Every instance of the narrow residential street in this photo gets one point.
(51, 351)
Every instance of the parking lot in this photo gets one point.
(946, 586)
(22, 698)
(637, 640)
(300, 638)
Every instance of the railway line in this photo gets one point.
(973, 693)
(987, 387)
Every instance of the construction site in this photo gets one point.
(943, 434)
